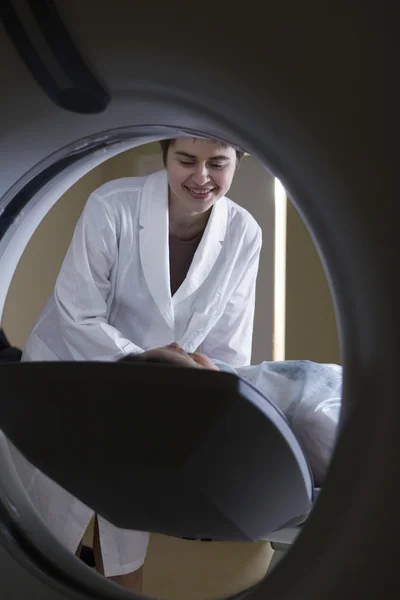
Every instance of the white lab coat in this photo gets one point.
(112, 297)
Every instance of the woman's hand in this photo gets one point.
(173, 354)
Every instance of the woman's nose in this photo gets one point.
(200, 175)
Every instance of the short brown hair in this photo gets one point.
(165, 144)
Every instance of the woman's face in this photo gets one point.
(199, 173)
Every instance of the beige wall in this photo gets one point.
(40, 263)
(311, 332)
(127, 163)
(253, 188)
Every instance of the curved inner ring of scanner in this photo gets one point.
(28, 201)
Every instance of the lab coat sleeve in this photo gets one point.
(230, 340)
(83, 287)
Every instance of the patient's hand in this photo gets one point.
(173, 354)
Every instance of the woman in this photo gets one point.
(153, 260)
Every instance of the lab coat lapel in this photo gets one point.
(154, 245)
(207, 251)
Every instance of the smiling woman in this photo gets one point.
(200, 172)
(154, 260)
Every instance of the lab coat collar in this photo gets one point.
(154, 245)
(207, 251)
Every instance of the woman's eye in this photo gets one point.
(188, 163)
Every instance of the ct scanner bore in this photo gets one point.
(300, 89)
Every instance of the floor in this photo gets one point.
(178, 569)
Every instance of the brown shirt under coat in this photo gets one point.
(181, 253)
